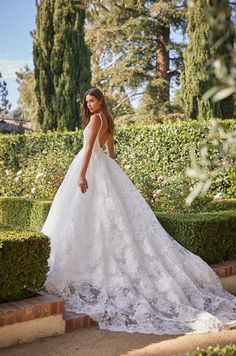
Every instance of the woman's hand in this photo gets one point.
(82, 183)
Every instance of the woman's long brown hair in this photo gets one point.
(104, 108)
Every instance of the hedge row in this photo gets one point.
(210, 235)
(164, 144)
(23, 213)
(15, 148)
(154, 157)
(24, 251)
(23, 262)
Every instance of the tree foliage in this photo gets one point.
(27, 103)
(207, 168)
(204, 46)
(132, 48)
(62, 63)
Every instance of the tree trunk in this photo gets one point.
(163, 63)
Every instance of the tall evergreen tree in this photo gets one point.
(131, 46)
(62, 63)
(198, 76)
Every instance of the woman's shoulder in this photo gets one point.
(95, 119)
(95, 116)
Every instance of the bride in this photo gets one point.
(111, 258)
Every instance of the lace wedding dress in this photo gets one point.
(112, 259)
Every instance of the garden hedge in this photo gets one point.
(23, 213)
(210, 235)
(154, 157)
(23, 262)
(24, 251)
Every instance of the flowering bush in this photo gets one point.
(40, 178)
(154, 157)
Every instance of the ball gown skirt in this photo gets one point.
(112, 259)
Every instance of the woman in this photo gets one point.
(110, 256)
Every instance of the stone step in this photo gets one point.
(74, 321)
(225, 269)
(30, 319)
(40, 306)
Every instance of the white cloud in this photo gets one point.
(8, 67)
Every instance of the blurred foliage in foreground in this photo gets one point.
(206, 169)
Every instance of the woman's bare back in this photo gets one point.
(105, 137)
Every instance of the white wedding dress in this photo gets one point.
(112, 259)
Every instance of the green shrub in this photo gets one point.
(15, 149)
(212, 236)
(40, 178)
(229, 350)
(220, 205)
(23, 213)
(24, 251)
(154, 157)
(23, 263)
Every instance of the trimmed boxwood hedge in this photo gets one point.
(24, 213)
(210, 235)
(24, 250)
(23, 262)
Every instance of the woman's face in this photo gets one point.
(93, 104)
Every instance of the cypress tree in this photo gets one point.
(197, 76)
(62, 63)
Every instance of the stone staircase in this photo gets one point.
(36, 317)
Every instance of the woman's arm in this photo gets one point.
(95, 124)
(110, 145)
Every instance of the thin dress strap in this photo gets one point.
(100, 128)
(100, 117)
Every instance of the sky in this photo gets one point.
(17, 20)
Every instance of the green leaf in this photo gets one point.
(224, 93)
